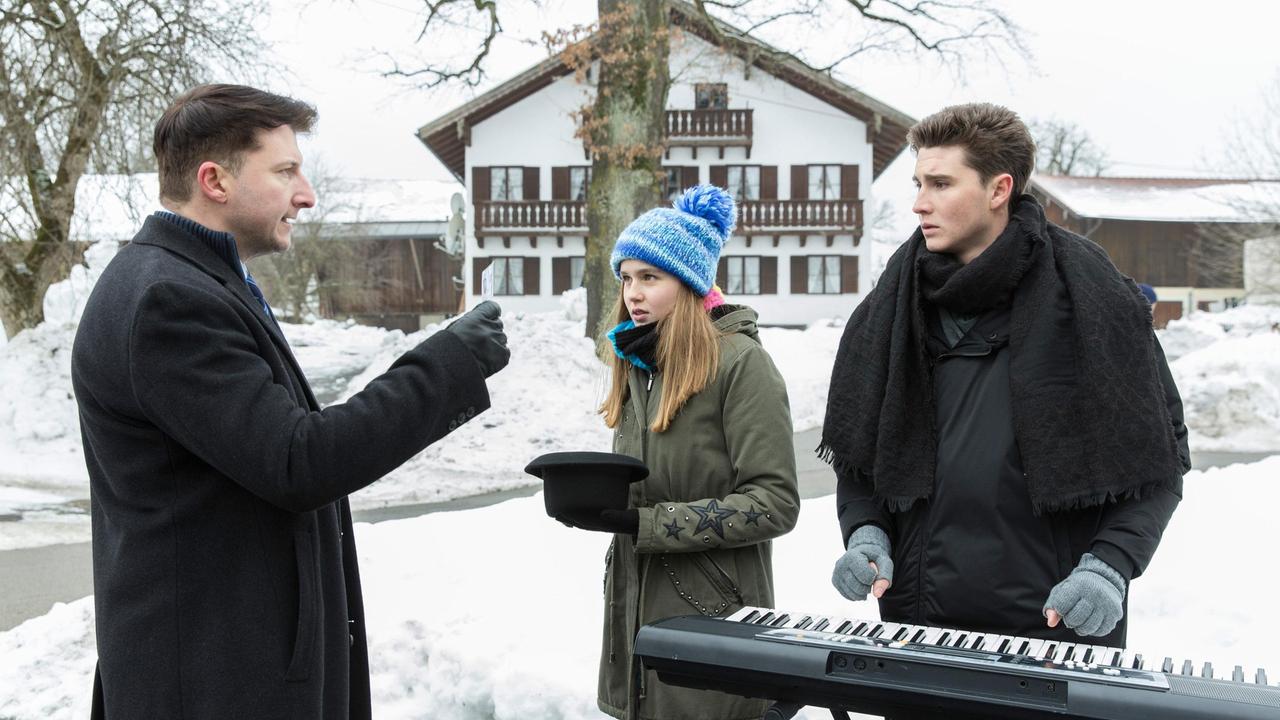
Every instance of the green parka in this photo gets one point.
(722, 483)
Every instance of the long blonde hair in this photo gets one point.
(688, 353)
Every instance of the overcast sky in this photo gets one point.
(1158, 84)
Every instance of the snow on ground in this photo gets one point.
(1227, 368)
(544, 401)
(1199, 330)
(510, 628)
(805, 358)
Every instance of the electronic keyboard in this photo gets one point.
(892, 668)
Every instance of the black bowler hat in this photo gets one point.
(576, 486)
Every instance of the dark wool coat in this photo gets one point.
(974, 555)
(223, 557)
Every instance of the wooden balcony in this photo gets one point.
(530, 217)
(710, 128)
(755, 217)
(777, 217)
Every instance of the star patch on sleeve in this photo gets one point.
(711, 516)
(753, 517)
(673, 530)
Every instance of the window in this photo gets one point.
(506, 184)
(579, 179)
(671, 184)
(576, 267)
(824, 182)
(744, 182)
(508, 275)
(824, 274)
(711, 96)
(742, 275)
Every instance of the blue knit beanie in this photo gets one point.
(684, 240)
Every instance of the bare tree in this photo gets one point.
(623, 128)
(1252, 153)
(84, 81)
(322, 246)
(1064, 148)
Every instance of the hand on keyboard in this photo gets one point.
(866, 566)
(1089, 601)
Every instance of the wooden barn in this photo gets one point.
(1179, 235)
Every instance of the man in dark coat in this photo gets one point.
(1008, 441)
(223, 555)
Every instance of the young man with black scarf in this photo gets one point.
(1007, 438)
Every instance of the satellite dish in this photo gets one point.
(457, 204)
(455, 231)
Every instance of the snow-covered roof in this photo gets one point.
(1162, 199)
(112, 207)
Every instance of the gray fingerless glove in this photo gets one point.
(852, 575)
(1090, 600)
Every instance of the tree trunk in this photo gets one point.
(624, 131)
(28, 269)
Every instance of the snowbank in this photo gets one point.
(510, 628)
(1231, 394)
(1201, 329)
(545, 400)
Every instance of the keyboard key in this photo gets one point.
(1260, 677)
(1237, 675)
(1167, 666)
(1207, 671)
(1188, 668)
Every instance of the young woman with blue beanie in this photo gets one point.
(696, 397)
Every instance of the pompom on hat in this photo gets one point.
(684, 239)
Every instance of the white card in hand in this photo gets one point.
(486, 283)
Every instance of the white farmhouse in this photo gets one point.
(798, 149)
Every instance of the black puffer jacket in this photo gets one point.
(975, 556)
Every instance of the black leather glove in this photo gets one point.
(618, 522)
(481, 331)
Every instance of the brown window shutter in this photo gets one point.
(722, 272)
(559, 275)
(689, 176)
(531, 184)
(719, 175)
(799, 275)
(532, 283)
(768, 182)
(769, 275)
(848, 182)
(479, 184)
(477, 266)
(799, 182)
(848, 271)
(559, 183)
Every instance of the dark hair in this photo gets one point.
(218, 122)
(994, 140)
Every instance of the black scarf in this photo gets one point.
(638, 343)
(1099, 434)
